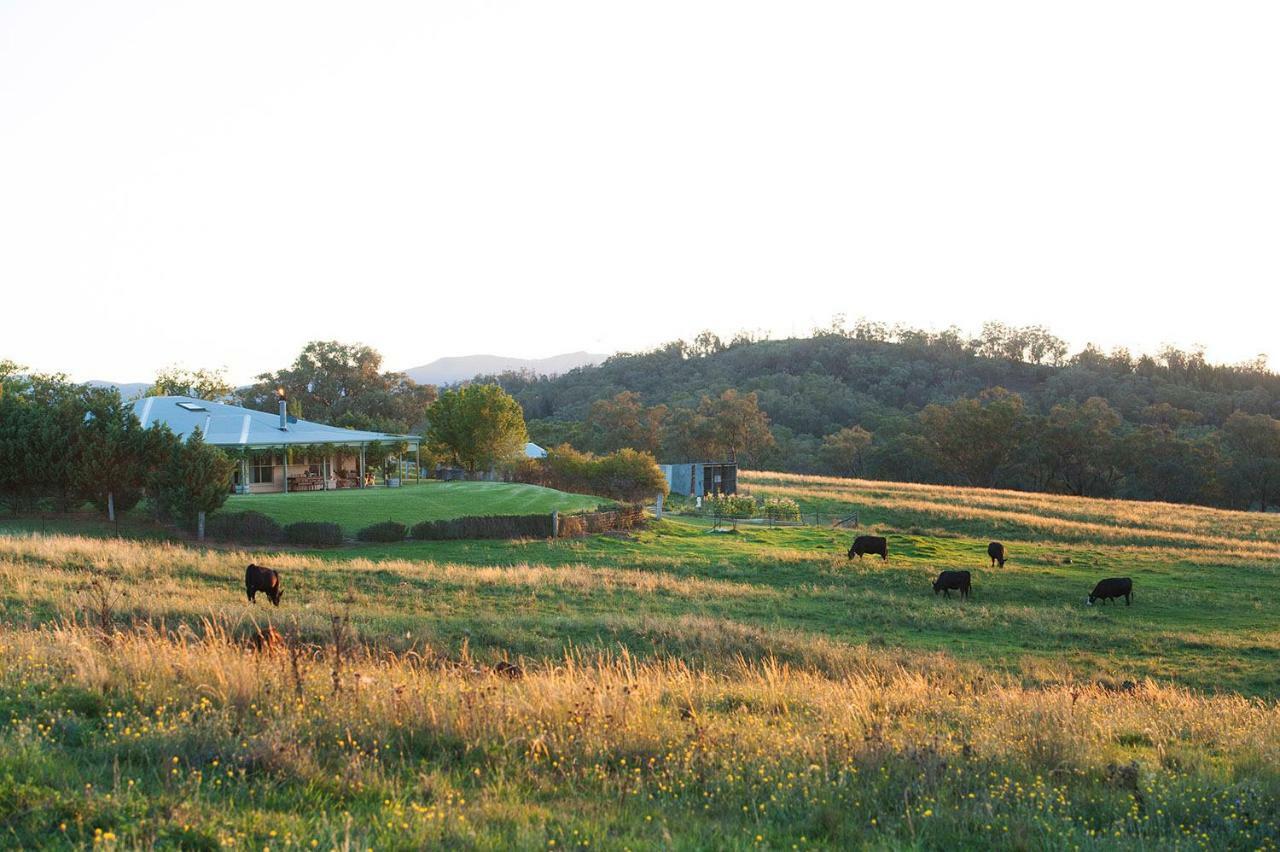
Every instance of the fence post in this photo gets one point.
(200, 524)
(657, 507)
(555, 524)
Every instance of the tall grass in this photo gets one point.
(670, 688)
(187, 737)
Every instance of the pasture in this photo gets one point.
(680, 687)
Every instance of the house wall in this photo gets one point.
(297, 467)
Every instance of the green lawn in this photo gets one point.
(430, 501)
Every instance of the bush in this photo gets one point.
(493, 526)
(247, 527)
(780, 509)
(627, 475)
(313, 532)
(385, 531)
(728, 506)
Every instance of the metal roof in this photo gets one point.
(232, 426)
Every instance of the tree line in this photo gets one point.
(64, 445)
(1007, 408)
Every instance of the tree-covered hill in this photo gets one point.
(1169, 426)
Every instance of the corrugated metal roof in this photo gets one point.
(231, 425)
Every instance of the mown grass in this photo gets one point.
(410, 504)
(682, 688)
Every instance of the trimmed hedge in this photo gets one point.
(491, 526)
(248, 527)
(313, 532)
(385, 531)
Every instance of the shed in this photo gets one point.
(697, 479)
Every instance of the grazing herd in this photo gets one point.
(962, 581)
(267, 580)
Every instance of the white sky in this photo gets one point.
(214, 184)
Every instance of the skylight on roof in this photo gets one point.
(191, 406)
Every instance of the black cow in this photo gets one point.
(1112, 587)
(872, 544)
(265, 580)
(996, 551)
(948, 580)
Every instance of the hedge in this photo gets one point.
(490, 526)
(313, 532)
(248, 527)
(385, 531)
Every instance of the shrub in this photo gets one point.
(313, 532)
(780, 509)
(385, 531)
(627, 475)
(247, 527)
(728, 506)
(492, 526)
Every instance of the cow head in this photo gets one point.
(1088, 601)
(275, 594)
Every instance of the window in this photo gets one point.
(191, 406)
(263, 470)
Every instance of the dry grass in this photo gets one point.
(430, 751)
(1058, 515)
(756, 690)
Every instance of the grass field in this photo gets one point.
(681, 687)
(429, 501)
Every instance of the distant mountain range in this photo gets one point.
(448, 371)
(128, 390)
(442, 371)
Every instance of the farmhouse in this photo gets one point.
(277, 452)
(698, 479)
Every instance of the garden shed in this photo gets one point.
(698, 479)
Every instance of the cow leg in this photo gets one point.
(1126, 600)
(249, 592)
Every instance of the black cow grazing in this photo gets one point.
(996, 551)
(265, 580)
(872, 544)
(1112, 587)
(948, 580)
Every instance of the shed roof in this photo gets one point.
(233, 426)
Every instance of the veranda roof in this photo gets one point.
(232, 426)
